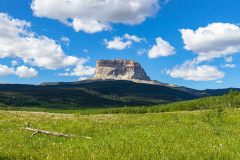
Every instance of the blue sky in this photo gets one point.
(200, 58)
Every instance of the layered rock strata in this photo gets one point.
(120, 70)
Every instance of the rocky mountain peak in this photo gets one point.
(120, 69)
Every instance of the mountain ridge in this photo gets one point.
(98, 93)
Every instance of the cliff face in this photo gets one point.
(120, 70)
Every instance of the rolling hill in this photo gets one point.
(86, 94)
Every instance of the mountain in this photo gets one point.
(116, 83)
(119, 69)
(97, 93)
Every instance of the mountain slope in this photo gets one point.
(96, 94)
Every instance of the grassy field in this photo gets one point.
(210, 134)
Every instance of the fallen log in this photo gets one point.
(36, 131)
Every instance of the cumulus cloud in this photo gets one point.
(161, 49)
(134, 38)
(25, 72)
(80, 70)
(117, 43)
(191, 71)
(213, 41)
(17, 41)
(83, 71)
(21, 72)
(88, 26)
(93, 15)
(121, 43)
(5, 70)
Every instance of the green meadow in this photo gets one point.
(206, 128)
(212, 134)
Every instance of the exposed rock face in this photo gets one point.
(120, 70)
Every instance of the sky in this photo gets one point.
(183, 42)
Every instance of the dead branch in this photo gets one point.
(36, 131)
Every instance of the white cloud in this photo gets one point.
(93, 15)
(228, 65)
(121, 43)
(141, 52)
(14, 63)
(5, 70)
(80, 70)
(213, 41)
(21, 72)
(17, 41)
(25, 72)
(191, 71)
(219, 82)
(65, 40)
(161, 49)
(118, 43)
(83, 71)
(134, 38)
(228, 59)
(88, 26)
